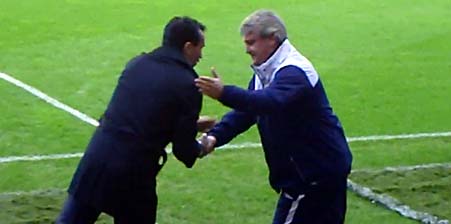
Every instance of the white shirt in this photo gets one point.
(284, 56)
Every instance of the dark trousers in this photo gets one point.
(320, 203)
(76, 212)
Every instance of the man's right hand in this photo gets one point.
(207, 143)
(205, 123)
(210, 86)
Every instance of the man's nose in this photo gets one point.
(248, 50)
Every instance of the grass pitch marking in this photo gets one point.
(394, 205)
(54, 102)
(86, 118)
(406, 168)
(362, 191)
(39, 157)
(365, 192)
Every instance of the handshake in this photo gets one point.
(206, 142)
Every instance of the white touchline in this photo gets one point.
(86, 118)
(406, 168)
(50, 191)
(39, 157)
(394, 205)
(50, 100)
(387, 201)
(365, 192)
(390, 202)
(401, 136)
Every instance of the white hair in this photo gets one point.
(266, 23)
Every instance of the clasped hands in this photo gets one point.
(207, 143)
(212, 87)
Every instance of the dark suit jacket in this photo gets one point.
(155, 103)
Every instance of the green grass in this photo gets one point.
(42, 208)
(385, 66)
(379, 154)
(31, 126)
(226, 187)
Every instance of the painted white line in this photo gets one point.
(50, 100)
(94, 122)
(10, 159)
(228, 146)
(39, 157)
(86, 118)
(243, 145)
(394, 205)
(387, 201)
(395, 137)
(51, 191)
(365, 192)
(74, 155)
(406, 168)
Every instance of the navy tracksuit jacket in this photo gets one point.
(302, 138)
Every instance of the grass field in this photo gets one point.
(386, 67)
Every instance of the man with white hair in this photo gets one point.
(304, 143)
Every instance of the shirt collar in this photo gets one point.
(267, 68)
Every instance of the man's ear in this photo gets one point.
(187, 47)
(187, 51)
(274, 40)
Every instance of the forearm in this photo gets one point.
(231, 125)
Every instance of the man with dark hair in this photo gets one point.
(304, 143)
(176, 34)
(155, 103)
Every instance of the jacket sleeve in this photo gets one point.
(290, 84)
(184, 144)
(232, 124)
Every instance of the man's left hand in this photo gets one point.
(205, 123)
(210, 86)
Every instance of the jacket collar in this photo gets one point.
(265, 71)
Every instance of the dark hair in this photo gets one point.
(180, 30)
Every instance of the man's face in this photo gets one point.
(193, 52)
(259, 48)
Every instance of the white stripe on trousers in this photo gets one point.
(294, 206)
